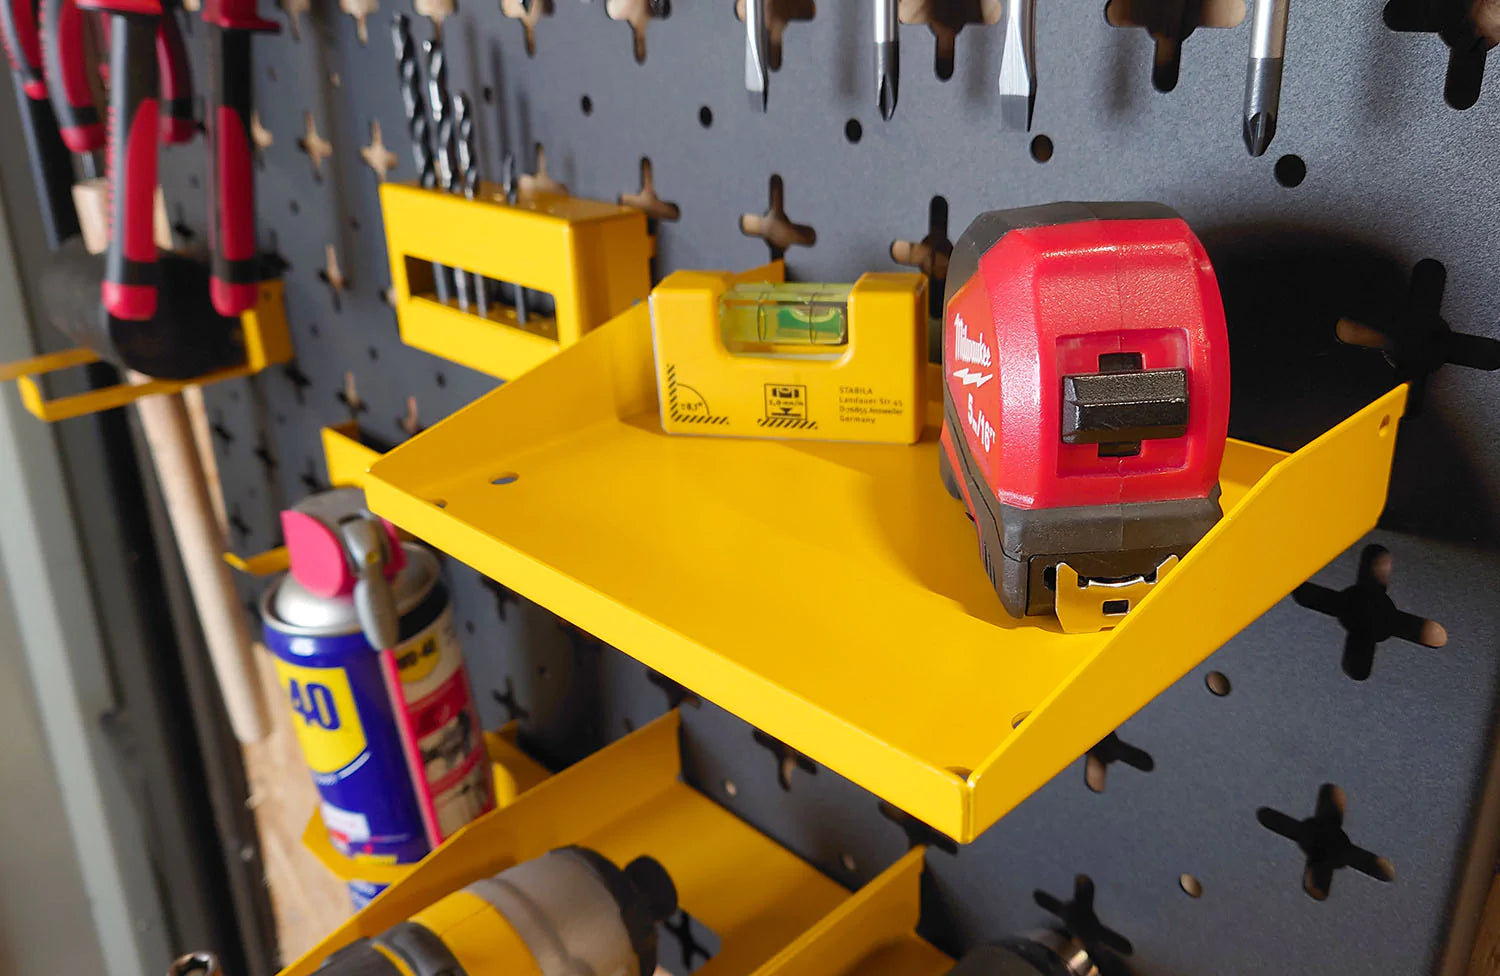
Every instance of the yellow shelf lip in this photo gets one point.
(626, 800)
(831, 594)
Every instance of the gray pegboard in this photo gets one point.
(1392, 176)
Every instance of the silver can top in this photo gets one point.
(288, 607)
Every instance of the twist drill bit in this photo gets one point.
(468, 171)
(1018, 66)
(440, 111)
(887, 57)
(417, 125)
(757, 46)
(1263, 77)
(508, 187)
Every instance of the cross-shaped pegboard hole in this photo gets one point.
(238, 526)
(677, 694)
(930, 254)
(1368, 614)
(503, 596)
(267, 460)
(1323, 841)
(221, 430)
(1417, 341)
(1170, 22)
(311, 479)
(638, 14)
(918, 834)
(779, 13)
(507, 700)
(788, 760)
(1112, 749)
(647, 201)
(773, 226)
(946, 19)
(529, 13)
(299, 380)
(349, 396)
(1469, 28)
(694, 940)
(1080, 921)
(408, 421)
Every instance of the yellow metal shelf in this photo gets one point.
(764, 903)
(832, 594)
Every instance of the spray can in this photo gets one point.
(370, 664)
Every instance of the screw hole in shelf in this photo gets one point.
(508, 478)
(1217, 682)
(853, 131)
(1290, 170)
(1042, 149)
(1018, 718)
(438, 502)
(1385, 425)
(294, 207)
(847, 861)
(1191, 886)
(730, 790)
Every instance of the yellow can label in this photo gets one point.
(324, 715)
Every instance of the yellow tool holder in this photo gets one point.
(593, 258)
(347, 459)
(867, 389)
(515, 773)
(832, 594)
(774, 914)
(267, 343)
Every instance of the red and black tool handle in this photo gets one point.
(235, 265)
(130, 273)
(51, 167)
(177, 122)
(67, 76)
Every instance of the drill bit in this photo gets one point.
(1018, 66)
(757, 44)
(416, 124)
(508, 187)
(468, 170)
(1263, 78)
(440, 111)
(887, 58)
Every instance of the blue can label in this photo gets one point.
(361, 893)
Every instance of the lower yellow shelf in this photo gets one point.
(773, 913)
(832, 594)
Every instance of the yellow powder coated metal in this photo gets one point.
(866, 387)
(832, 594)
(267, 343)
(624, 801)
(593, 258)
(515, 773)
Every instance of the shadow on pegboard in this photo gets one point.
(1285, 290)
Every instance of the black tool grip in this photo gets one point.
(51, 167)
(236, 264)
(67, 76)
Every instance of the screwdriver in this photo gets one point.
(1018, 66)
(508, 187)
(1263, 77)
(887, 57)
(757, 42)
(445, 157)
(468, 171)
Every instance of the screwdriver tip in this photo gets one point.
(1260, 129)
(886, 98)
(758, 100)
(1015, 112)
(888, 75)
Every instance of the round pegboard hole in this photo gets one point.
(586, 105)
(193, 180)
(705, 116)
(508, 478)
(1042, 149)
(440, 380)
(1385, 425)
(374, 354)
(1218, 682)
(847, 861)
(1018, 718)
(541, 670)
(294, 206)
(853, 131)
(730, 790)
(488, 95)
(1290, 170)
(354, 223)
(313, 329)
(1191, 886)
(469, 627)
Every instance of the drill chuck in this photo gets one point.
(570, 912)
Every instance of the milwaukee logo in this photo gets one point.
(971, 377)
(967, 350)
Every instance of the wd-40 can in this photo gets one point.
(391, 734)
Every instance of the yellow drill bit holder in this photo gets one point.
(267, 343)
(740, 374)
(774, 914)
(830, 594)
(593, 258)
